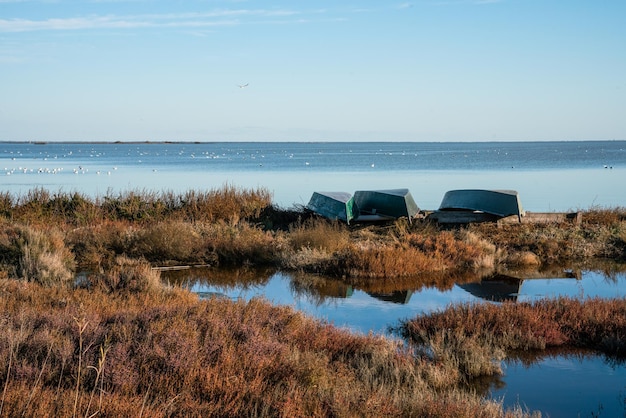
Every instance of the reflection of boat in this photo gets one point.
(501, 287)
(397, 296)
(333, 205)
(498, 288)
(382, 204)
(475, 205)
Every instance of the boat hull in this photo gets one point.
(500, 203)
(333, 205)
(396, 203)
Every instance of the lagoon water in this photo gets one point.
(550, 176)
(559, 384)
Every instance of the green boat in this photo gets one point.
(365, 205)
(501, 203)
(334, 205)
(385, 204)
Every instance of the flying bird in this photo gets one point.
(243, 86)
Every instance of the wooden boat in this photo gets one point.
(476, 205)
(365, 205)
(333, 205)
(385, 204)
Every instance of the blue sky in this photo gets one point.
(432, 70)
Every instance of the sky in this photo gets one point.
(425, 70)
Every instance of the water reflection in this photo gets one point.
(559, 384)
(503, 287)
(562, 384)
(372, 306)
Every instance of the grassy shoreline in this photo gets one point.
(229, 226)
(119, 342)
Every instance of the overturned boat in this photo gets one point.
(333, 205)
(365, 205)
(385, 204)
(476, 205)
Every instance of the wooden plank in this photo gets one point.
(543, 218)
(466, 217)
(461, 217)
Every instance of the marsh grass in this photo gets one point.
(600, 234)
(38, 255)
(491, 329)
(230, 226)
(403, 251)
(121, 344)
(165, 353)
(227, 203)
(125, 274)
(242, 244)
(319, 234)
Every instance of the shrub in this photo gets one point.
(126, 275)
(175, 241)
(227, 203)
(37, 255)
(240, 244)
(97, 245)
(77, 352)
(472, 331)
(319, 234)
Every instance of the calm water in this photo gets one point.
(550, 176)
(559, 385)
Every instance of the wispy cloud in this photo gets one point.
(457, 2)
(168, 20)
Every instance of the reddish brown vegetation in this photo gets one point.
(164, 353)
(596, 324)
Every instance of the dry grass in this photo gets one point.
(228, 203)
(468, 333)
(230, 226)
(124, 274)
(164, 353)
(38, 255)
(319, 234)
(121, 344)
(242, 244)
(400, 251)
(601, 234)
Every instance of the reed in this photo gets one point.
(230, 226)
(165, 353)
(36, 254)
(319, 234)
(597, 324)
(599, 235)
(228, 203)
(125, 274)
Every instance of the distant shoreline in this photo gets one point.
(147, 142)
